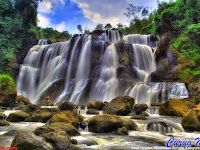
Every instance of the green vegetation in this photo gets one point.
(18, 27)
(181, 20)
(50, 34)
(6, 83)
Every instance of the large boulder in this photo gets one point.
(32, 108)
(27, 140)
(139, 108)
(66, 105)
(109, 123)
(39, 117)
(191, 122)
(53, 127)
(58, 134)
(174, 107)
(119, 106)
(21, 100)
(17, 116)
(65, 116)
(95, 104)
(8, 91)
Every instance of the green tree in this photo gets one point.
(99, 27)
(108, 26)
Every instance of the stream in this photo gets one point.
(153, 132)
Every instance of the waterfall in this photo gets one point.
(161, 91)
(42, 42)
(95, 66)
(41, 68)
(144, 64)
(113, 36)
(106, 87)
(82, 71)
(140, 39)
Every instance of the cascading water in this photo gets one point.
(113, 36)
(107, 86)
(83, 71)
(41, 68)
(162, 91)
(42, 42)
(144, 64)
(141, 39)
(95, 66)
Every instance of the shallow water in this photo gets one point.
(140, 138)
(5, 141)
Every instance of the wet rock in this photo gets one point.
(28, 141)
(83, 124)
(32, 108)
(88, 142)
(7, 98)
(65, 116)
(157, 104)
(11, 133)
(4, 123)
(95, 104)
(39, 117)
(139, 108)
(46, 102)
(128, 123)
(20, 107)
(21, 100)
(190, 102)
(194, 89)
(74, 147)
(59, 140)
(17, 116)
(119, 106)
(191, 122)
(74, 141)
(58, 126)
(92, 111)
(2, 116)
(174, 107)
(122, 131)
(139, 117)
(66, 105)
(67, 127)
(109, 123)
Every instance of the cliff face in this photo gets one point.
(169, 66)
(19, 58)
(167, 61)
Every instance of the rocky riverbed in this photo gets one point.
(118, 124)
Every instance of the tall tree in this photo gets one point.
(99, 27)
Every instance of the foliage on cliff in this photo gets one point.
(181, 20)
(6, 82)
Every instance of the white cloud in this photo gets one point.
(43, 21)
(45, 7)
(109, 11)
(61, 27)
(46, 22)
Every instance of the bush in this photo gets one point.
(6, 82)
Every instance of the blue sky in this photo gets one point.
(65, 15)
